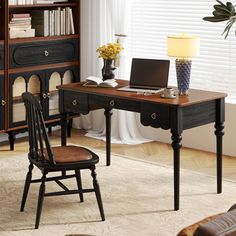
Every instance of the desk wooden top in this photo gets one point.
(195, 96)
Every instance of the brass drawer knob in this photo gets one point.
(3, 103)
(74, 102)
(44, 95)
(154, 116)
(112, 103)
(46, 53)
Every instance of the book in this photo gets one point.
(40, 21)
(72, 27)
(19, 27)
(20, 15)
(93, 81)
(21, 19)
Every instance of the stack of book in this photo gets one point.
(20, 26)
(53, 22)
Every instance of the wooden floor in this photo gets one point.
(154, 151)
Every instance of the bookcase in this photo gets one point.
(35, 64)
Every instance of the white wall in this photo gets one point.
(203, 137)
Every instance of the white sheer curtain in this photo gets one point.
(100, 21)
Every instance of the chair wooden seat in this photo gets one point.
(70, 154)
(55, 159)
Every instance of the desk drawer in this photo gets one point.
(116, 103)
(75, 103)
(39, 53)
(1, 57)
(155, 116)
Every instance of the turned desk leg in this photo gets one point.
(176, 145)
(108, 114)
(219, 132)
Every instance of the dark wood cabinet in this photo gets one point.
(37, 65)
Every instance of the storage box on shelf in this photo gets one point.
(36, 64)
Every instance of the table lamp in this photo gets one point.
(183, 47)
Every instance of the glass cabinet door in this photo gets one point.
(65, 76)
(19, 84)
(18, 109)
(54, 81)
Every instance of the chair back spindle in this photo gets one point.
(39, 144)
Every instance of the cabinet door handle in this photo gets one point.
(112, 103)
(3, 103)
(74, 102)
(48, 95)
(46, 53)
(154, 116)
(44, 95)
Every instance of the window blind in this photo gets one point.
(153, 20)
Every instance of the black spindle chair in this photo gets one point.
(55, 159)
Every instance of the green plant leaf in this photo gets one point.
(223, 9)
(227, 28)
(230, 7)
(221, 3)
(215, 19)
(219, 14)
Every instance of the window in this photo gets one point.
(153, 20)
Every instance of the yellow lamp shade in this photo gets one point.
(182, 46)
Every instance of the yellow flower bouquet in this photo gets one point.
(109, 51)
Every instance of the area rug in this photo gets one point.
(137, 198)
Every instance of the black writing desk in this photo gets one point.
(177, 115)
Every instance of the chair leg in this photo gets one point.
(40, 199)
(79, 184)
(97, 193)
(26, 187)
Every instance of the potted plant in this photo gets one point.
(109, 53)
(223, 12)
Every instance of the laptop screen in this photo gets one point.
(149, 73)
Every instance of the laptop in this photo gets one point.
(148, 75)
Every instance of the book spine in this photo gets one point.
(61, 20)
(64, 21)
(46, 23)
(21, 15)
(72, 27)
(67, 21)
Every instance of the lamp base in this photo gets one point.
(183, 70)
